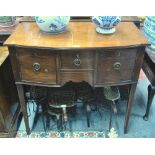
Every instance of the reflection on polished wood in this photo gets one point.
(78, 35)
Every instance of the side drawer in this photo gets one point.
(115, 66)
(38, 66)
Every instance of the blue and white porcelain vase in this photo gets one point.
(106, 24)
(149, 31)
(52, 24)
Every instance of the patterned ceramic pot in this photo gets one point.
(149, 31)
(106, 24)
(52, 24)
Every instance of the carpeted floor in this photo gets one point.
(137, 128)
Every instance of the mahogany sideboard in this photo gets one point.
(79, 54)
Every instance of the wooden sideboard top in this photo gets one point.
(77, 35)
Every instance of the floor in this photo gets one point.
(137, 128)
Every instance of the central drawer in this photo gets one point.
(77, 60)
(37, 66)
(77, 66)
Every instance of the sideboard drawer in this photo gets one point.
(77, 60)
(115, 69)
(39, 67)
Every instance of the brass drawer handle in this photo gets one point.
(77, 61)
(117, 66)
(36, 67)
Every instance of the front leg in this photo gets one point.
(23, 104)
(129, 105)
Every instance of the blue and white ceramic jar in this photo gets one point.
(52, 24)
(106, 24)
(149, 31)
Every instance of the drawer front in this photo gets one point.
(77, 60)
(76, 77)
(37, 66)
(113, 67)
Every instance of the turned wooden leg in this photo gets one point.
(23, 107)
(129, 105)
(151, 92)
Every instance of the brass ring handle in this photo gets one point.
(117, 66)
(77, 61)
(36, 66)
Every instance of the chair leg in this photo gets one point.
(47, 122)
(110, 122)
(59, 128)
(99, 113)
(44, 125)
(114, 107)
(36, 117)
(151, 92)
(61, 123)
(64, 117)
(88, 114)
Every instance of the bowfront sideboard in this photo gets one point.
(79, 54)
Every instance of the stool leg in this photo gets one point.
(151, 92)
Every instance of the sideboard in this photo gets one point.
(79, 54)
